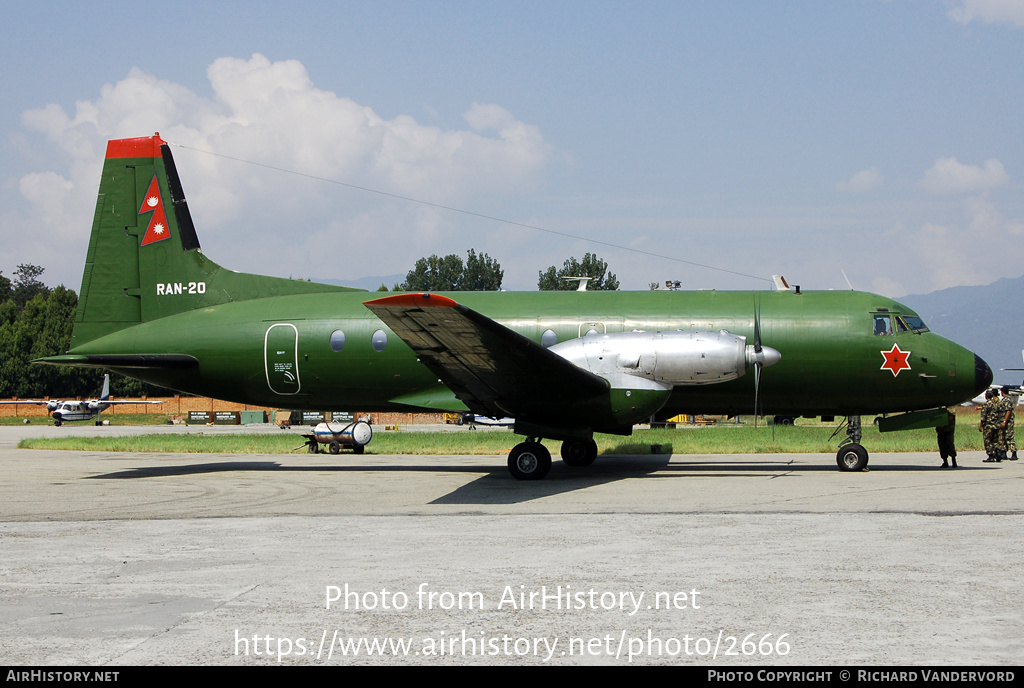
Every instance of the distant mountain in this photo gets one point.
(988, 320)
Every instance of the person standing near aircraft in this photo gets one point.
(1006, 413)
(989, 427)
(947, 445)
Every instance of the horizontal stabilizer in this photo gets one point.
(148, 361)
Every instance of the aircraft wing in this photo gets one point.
(492, 369)
(127, 401)
(27, 401)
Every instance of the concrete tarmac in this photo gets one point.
(759, 560)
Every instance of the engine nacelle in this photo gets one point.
(665, 358)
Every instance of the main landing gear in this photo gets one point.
(851, 455)
(531, 460)
(579, 452)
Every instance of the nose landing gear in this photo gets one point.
(851, 455)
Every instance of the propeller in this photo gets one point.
(759, 357)
(758, 362)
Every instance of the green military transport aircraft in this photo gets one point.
(564, 365)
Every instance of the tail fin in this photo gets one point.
(144, 260)
(105, 393)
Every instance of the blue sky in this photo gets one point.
(880, 139)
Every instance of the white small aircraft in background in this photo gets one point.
(69, 411)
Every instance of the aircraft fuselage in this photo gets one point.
(328, 351)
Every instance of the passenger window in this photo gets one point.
(337, 341)
(379, 340)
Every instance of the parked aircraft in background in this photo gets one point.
(979, 400)
(69, 411)
(1017, 369)
(563, 365)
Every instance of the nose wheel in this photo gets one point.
(851, 455)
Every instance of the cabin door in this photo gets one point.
(281, 358)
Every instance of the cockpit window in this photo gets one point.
(883, 324)
(886, 324)
(915, 323)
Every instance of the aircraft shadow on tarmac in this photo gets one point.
(495, 486)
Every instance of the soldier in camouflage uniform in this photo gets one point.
(1007, 412)
(989, 427)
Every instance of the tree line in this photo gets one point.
(36, 320)
(483, 273)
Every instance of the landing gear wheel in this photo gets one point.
(358, 449)
(313, 447)
(335, 447)
(579, 452)
(529, 461)
(57, 422)
(852, 457)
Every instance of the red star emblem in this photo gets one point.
(895, 360)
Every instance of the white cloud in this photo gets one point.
(989, 11)
(273, 114)
(985, 244)
(949, 257)
(48, 191)
(950, 176)
(862, 182)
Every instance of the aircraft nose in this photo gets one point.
(982, 375)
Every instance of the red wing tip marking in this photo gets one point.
(142, 147)
(423, 300)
